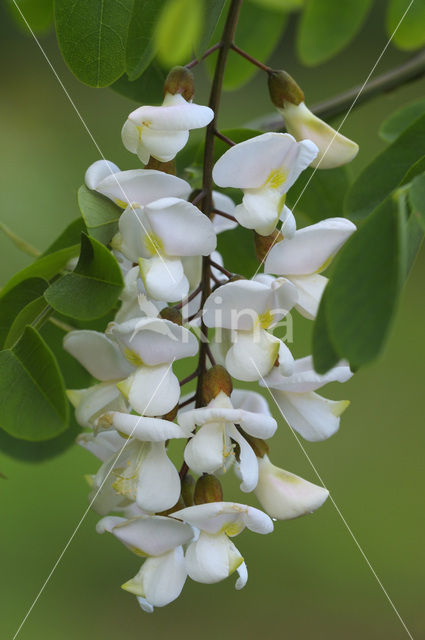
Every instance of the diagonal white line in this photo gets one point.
(83, 122)
(347, 526)
(342, 123)
(45, 583)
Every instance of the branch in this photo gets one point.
(407, 72)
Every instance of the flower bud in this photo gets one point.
(215, 380)
(208, 489)
(166, 167)
(172, 314)
(258, 445)
(180, 80)
(188, 489)
(171, 415)
(284, 89)
(263, 244)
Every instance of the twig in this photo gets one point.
(250, 59)
(207, 53)
(190, 377)
(227, 273)
(193, 295)
(223, 214)
(209, 354)
(187, 401)
(225, 139)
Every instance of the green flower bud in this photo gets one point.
(188, 489)
(208, 489)
(284, 89)
(172, 314)
(180, 80)
(215, 380)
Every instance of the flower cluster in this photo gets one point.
(180, 302)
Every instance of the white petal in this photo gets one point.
(305, 378)
(286, 360)
(260, 210)
(93, 402)
(248, 465)
(98, 171)
(314, 417)
(206, 451)
(243, 576)
(153, 391)
(252, 355)
(283, 296)
(284, 495)
(161, 144)
(225, 517)
(98, 354)
(236, 305)
(289, 225)
(182, 228)
(130, 136)
(135, 238)
(158, 485)
(311, 248)
(145, 429)
(212, 558)
(250, 401)
(175, 114)
(102, 445)
(164, 278)
(151, 535)
(258, 425)
(310, 291)
(160, 580)
(142, 186)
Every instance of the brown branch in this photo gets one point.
(207, 53)
(225, 139)
(223, 214)
(250, 59)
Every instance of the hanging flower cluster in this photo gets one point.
(176, 290)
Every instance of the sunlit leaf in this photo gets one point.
(401, 120)
(28, 315)
(140, 40)
(178, 31)
(100, 214)
(408, 22)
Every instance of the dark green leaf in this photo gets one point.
(68, 238)
(92, 37)
(327, 26)
(92, 288)
(27, 315)
(140, 44)
(38, 14)
(38, 451)
(16, 299)
(34, 405)
(100, 214)
(324, 355)
(323, 193)
(148, 89)
(45, 267)
(238, 251)
(367, 275)
(258, 32)
(400, 120)
(410, 32)
(414, 170)
(279, 5)
(178, 31)
(75, 376)
(386, 171)
(417, 199)
(414, 238)
(213, 10)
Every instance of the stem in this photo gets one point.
(225, 139)
(223, 214)
(186, 402)
(193, 295)
(407, 72)
(19, 242)
(207, 53)
(62, 325)
(226, 272)
(189, 378)
(250, 59)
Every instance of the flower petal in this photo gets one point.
(93, 402)
(252, 354)
(250, 401)
(225, 517)
(236, 305)
(151, 535)
(175, 114)
(310, 290)
(163, 145)
(206, 450)
(142, 186)
(98, 171)
(102, 445)
(164, 278)
(98, 354)
(248, 465)
(256, 424)
(305, 378)
(260, 210)
(158, 484)
(210, 558)
(144, 428)
(152, 391)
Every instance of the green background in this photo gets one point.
(308, 579)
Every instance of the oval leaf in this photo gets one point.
(27, 316)
(410, 33)
(401, 120)
(100, 214)
(213, 11)
(178, 31)
(38, 14)
(16, 299)
(148, 89)
(319, 194)
(140, 40)
(327, 26)
(92, 288)
(417, 199)
(92, 37)
(34, 405)
(324, 355)
(386, 171)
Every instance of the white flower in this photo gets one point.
(156, 236)
(136, 186)
(134, 303)
(249, 308)
(211, 448)
(284, 495)
(163, 574)
(265, 168)
(161, 132)
(91, 403)
(334, 148)
(314, 417)
(212, 556)
(303, 257)
(151, 345)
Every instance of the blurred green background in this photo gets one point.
(308, 579)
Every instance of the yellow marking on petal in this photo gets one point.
(74, 396)
(133, 586)
(137, 551)
(153, 244)
(339, 408)
(265, 319)
(133, 358)
(90, 480)
(325, 264)
(124, 386)
(233, 528)
(121, 203)
(237, 561)
(276, 178)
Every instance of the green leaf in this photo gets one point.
(213, 11)
(327, 26)
(362, 293)
(68, 238)
(279, 5)
(34, 405)
(386, 171)
(75, 375)
(35, 452)
(178, 31)
(414, 238)
(27, 316)
(417, 199)
(258, 32)
(323, 193)
(324, 355)
(238, 251)
(100, 214)
(38, 14)
(16, 299)
(92, 288)
(410, 34)
(147, 89)
(401, 120)
(45, 267)
(140, 41)
(92, 37)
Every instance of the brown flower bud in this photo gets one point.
(165, 167)
(208, 489)
(171, 415)
(188, 489)
(284, 89)
(215, 380)
(263, 244)
(259, 446)
(172, 314)
(180, 80)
